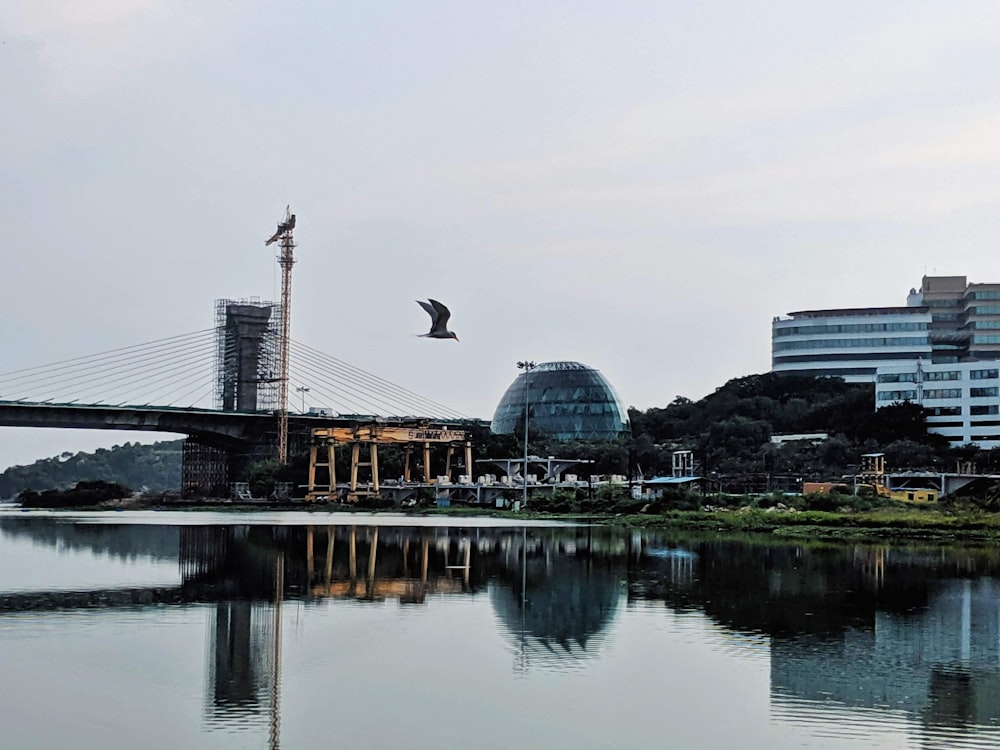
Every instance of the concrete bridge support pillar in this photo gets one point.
(243, 339)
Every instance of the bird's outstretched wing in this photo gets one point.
(430, 311)
(442, 314)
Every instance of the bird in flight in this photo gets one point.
(439, 320)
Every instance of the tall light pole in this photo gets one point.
(303, 390)
(527, 367)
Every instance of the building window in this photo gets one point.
(985, 339)
(896, 395)
(870, 343)
(984, 294)
(977, 411)
(938, 393)
(943, 375)
(985, 310)
(819, 330)
(984, 374)
(944, 411)
(898, 377)
(984, 392)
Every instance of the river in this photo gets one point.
(203, 630)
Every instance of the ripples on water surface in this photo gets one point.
(199, 630)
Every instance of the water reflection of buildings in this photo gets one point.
(906, 632)
(241, 664)
(941, 664)
(913, 632)
(555, 603)
(554, 592)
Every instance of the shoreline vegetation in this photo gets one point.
(751, 483)
(888, 522)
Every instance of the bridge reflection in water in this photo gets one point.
(553, 593)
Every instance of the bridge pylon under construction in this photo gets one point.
(248, 352)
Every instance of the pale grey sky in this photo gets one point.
(640, 186)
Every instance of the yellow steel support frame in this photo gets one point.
(372, 435)
(357, 463)
(328, 572)
(315, 463)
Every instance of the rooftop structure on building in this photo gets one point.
(947, 320)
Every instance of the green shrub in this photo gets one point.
(559, 501)
(83, 494)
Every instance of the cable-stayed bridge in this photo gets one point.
(181, 373)
(218, 387)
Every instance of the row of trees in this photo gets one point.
(730, 433)
(155, 467)
(730, 430)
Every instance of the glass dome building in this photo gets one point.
(566, 400)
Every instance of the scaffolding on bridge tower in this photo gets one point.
(247, 354)
(286, 260)
(247, 361)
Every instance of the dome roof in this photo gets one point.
(567, 400)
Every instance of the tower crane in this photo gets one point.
(286, 260)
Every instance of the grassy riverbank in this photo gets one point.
(885, 524)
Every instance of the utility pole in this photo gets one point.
(286, 260)
(527, 367)
(303, 390)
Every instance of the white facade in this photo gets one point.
(851, 344)
(946, 320)
(963, 398)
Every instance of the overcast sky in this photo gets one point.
(639, 186)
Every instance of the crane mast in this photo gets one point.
(286, 260)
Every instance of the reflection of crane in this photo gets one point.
(286, 261)
(274, 723)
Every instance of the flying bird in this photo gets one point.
(439, 320)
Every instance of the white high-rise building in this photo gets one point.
(962, 399)
(947, 320)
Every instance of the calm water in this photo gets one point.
(156, 630)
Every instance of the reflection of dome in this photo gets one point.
(569, 401)
(569, 606)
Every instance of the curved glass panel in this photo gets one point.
(566, 400)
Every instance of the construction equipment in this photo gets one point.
(286, 260)
(872, 479)
(371, 435)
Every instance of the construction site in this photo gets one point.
(252, 376)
